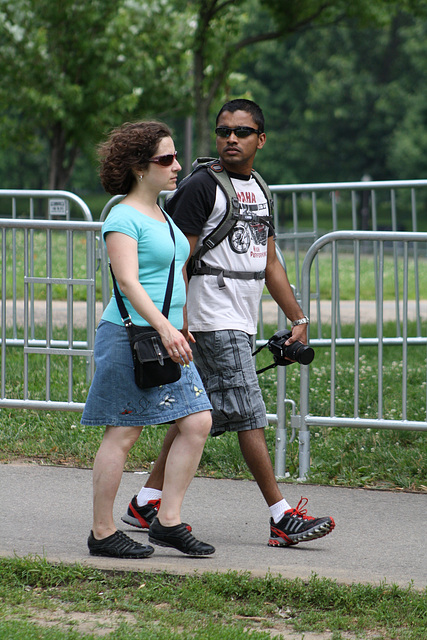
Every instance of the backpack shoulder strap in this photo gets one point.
(266, 190)
(232, 212)
(221, 231)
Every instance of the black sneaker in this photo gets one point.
(142, 517)
(178, 537)
(296, 526)
(118, 545)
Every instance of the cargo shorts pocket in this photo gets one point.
(229, 397)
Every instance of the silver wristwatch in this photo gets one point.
(303, 320)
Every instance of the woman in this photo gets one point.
(140, 160)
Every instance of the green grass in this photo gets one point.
(44, 601)
(344, 457)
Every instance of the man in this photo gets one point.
(222, 317)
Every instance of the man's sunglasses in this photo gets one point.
(164, 161)
(240, 132)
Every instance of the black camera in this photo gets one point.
(282, 353)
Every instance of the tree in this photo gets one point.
(341, 102)
(227, 28)
(71, 69)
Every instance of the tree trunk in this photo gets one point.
(202, 107)
(62, 159)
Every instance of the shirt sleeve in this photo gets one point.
(121, 220)
(192, 203)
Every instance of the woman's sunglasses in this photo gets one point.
(240, 132)
(164, 161)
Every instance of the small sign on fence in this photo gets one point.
(59, 208)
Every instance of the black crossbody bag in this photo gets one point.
(152, 364)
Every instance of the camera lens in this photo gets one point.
(299, 352)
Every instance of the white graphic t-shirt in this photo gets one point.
(197, 209)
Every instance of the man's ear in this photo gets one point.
(261, 140)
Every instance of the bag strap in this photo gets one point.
(169, 287)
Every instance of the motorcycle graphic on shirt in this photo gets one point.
(243, 232)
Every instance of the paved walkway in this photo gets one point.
(347, 312)
(379, 535)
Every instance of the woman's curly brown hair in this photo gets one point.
(128, 147)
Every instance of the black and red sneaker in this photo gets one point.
(296, 526)
(142, 517)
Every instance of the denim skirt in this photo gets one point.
(115, 400)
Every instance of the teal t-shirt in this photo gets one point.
(155, 253)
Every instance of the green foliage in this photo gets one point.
(335, 107)
(75, 68)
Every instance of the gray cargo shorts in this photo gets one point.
(225, 363)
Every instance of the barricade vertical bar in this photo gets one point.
(49, 329)
(354, 209)
(380, 331)
(70, 309)
(31, 273)
(280, 449)
(296, 240)
(336, 277)
(374, 210)
(3, 312)
(334, 212)
(316, 267)
(405, 333)
(416, 264)
(334, 302)
(14, 328)
(395, 263)
(357, 329)
(27, 267)
(375, 248)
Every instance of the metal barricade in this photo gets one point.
(408, 248)
(306, 212)
(354, 204)
(51, 205)
(26, 250)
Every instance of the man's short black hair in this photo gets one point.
(241, 104)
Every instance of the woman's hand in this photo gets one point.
(176, 344)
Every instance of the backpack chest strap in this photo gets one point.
(202, 269)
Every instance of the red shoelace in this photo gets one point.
(299, 510)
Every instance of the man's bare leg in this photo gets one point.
(156, 477)
(257, 457)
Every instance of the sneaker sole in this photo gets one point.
(146, 554)
(160, 543)
(307, 536)
(134, 522)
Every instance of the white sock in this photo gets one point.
(147, 494)
(277, 510)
